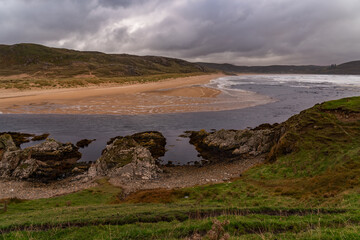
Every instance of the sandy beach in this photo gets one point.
(186, 94)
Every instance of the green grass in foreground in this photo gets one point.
(310, 192)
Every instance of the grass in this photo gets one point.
(25, 66)
(309, 189)
(56, 82)
(351, 104)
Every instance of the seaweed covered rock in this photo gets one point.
(236, 144)
(125, 158)
(154, 141)
(19, 138)
(47, 161)
(7, 143)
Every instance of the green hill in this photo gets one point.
(22, 65)
(345, 68)
(308, 189)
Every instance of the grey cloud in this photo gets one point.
(238, 31)
(119, 3)
(41, 21)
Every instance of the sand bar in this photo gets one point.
(186, 94)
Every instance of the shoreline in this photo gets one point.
(177, 95)
(172, 177)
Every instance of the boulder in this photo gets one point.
(7, 143)
(127, 159)
(84, 143)
(236, 144)
(47, 161)
(152, 140)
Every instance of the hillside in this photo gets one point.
(345, 68)
(24, 65)
(308, 189)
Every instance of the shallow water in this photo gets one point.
(293, 92)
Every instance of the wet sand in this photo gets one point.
(168, 96)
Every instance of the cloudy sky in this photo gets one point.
(243, 32)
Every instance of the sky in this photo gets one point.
(242, 32)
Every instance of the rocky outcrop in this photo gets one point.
(152, 140)
(84, 143)
(20, 138)
(47, 161)
(236, 144)
(7, 143)
(125, 158)
(40, 137)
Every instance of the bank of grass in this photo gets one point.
(254, 226)
(308, 189)
(48, 83)
(24, 66)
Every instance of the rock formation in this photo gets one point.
(154, 141)
(236, 144)
(84, 143)
(125, 158)
(20, 138)
(47, 161)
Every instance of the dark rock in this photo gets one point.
(152, 140)
(169, 164)
(7, 143)
(185, 134)
(236, 144)
(40, 137)
(125, 158)
(47, 161)
(84, 143)
(19, 138)
(80, 167)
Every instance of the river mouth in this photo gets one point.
(292, 98)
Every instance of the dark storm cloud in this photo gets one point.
(237, 31)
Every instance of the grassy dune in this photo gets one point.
(308, 189)
(35, 66)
